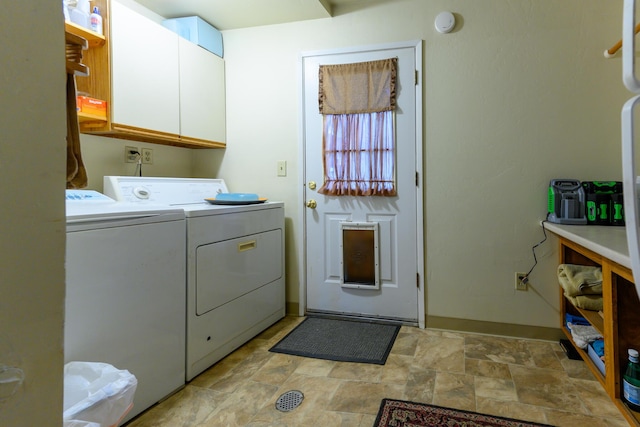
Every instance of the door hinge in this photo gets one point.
(416, 82)
(418, 280)
(417, 179)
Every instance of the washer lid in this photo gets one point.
(90, 205)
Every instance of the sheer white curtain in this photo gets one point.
(359, 154)
(357, 103)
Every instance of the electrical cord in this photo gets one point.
(525, 279)
(138, 171)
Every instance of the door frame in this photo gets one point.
(302, 237)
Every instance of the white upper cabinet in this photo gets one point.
(145, 70)
(202, 93)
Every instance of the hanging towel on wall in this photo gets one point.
(76, 173)
(580, 279)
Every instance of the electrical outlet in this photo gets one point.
(147, 156)
(131, 154)
(521, 281)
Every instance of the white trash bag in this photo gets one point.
(76, 423)
(96, 394)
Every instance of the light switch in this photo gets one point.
(282, 168)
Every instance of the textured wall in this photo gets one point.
(518, 94)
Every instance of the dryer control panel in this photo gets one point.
(165, 191)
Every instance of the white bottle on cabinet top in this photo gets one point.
(80, 14)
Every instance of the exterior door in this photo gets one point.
(391, 226)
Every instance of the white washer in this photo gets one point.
(235, 262)
(125, 294)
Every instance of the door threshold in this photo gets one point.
(361, 317)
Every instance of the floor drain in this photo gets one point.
(289, 401)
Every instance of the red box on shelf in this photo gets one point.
(88, 105)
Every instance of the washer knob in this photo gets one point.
(141, 193)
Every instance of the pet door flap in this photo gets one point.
(360, 259)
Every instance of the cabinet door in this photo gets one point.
(145, 86)
(202, 94)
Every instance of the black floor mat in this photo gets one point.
(340, 340)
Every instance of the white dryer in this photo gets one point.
(235, 262)
(125, 291)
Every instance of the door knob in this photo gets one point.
(312, 185)
(312, 204)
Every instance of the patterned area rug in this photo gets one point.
(395, 413)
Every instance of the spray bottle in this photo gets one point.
(96, 20)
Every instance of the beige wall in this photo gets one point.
(32, 229)
(518, 94)
(105, 156)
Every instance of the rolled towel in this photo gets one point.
(580, 279)
(587, 302)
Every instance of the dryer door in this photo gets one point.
(229, 269)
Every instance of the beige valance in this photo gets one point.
(363, 87)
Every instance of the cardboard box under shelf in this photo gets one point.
(198, 31)
(595, 358)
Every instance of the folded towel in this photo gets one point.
(580, 279)
(576, 320)
(582, 335)
(587, 302)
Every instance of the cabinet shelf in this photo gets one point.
(585, 357)
(89, 118)
(93, 39)
(593, 317)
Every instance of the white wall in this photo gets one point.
(518, 94)
(32, 226)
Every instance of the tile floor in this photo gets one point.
(525, 379)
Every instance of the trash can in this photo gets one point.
(96, 394)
